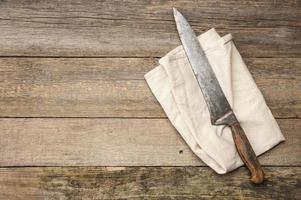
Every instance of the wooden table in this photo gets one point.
(78, 120)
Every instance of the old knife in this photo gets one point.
(220, 111)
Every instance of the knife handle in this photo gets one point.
(247, 153)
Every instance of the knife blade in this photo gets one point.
(219, 108)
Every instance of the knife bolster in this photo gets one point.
(227, 119)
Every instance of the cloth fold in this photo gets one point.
(175, 87)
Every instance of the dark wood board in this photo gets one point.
(78, 183)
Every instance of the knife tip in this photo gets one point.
(175, 11)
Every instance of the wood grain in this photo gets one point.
(115, 87)
(100, 112)
(115, 142)
(247, 153)
(144, 28)
(144, 183)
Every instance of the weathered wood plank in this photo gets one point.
(115, 87)
(145, 183)
(144, 28)
(115, 142)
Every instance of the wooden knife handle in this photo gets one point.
(246, 153)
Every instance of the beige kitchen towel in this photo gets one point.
(175, 87)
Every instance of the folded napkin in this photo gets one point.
(175, 87)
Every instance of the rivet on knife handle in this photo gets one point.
(220, 110)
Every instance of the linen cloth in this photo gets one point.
(175, 87)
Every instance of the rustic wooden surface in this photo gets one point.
(72, 94)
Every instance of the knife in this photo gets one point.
(220, 110)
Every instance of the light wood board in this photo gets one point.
(115, 87)
(115, 142)
(144, 28)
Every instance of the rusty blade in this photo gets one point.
(219, 108)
